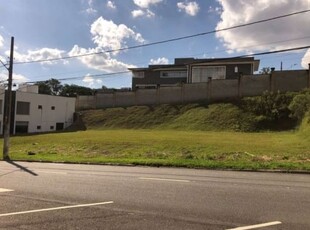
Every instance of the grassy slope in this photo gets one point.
(187, 117)
(153, 142)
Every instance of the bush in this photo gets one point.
(271, 106)
(300, 105)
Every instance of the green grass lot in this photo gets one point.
(222, 136)
(202, 149)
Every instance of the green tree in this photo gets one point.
(74, 90)
(300, 104)
(265, 70)
(50, 87)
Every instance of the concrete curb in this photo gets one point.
(163, 166)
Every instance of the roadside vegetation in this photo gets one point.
(267, 132)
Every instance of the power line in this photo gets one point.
(193, 55)
(93, 75)
(277, 51)
(168, 40)
(257, 45)
(124, 72)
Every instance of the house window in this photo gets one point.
(21, 127)
(23, 108)
(139, 74)
(173, 74)
(38, 127)
(202, 73)
(59, 126)
(39, 106)
(53, 107)
(236, 69)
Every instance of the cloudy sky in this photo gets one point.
(45, 29)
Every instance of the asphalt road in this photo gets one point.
(64, 196)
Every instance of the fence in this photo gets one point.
(213, 90)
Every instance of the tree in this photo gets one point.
(54, 87)
(265, 70)
(74, 90)
(50, 87)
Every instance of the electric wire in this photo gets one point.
(168, 40)
(195, 55)
(210, 60)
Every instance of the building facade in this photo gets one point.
(35, 113)
(190, 70)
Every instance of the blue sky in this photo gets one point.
(45, 29)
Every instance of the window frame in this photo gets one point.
(19, 108)
(138, 74)
(203, 77)
(173, 74)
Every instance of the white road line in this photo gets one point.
(163, 179)
(257, 226)
(54, 209)
(6, 190)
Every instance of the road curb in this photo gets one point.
(165, 166)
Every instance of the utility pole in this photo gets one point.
(8, 107)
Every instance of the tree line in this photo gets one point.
(54, 87)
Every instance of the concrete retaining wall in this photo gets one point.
(252, 85)
(213, 90)
(223, 90)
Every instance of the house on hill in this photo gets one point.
(191, 70)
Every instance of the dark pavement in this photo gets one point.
(49, 196)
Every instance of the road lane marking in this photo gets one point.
(163, 179)
(257, 226)
(6, 190)
(54, 209)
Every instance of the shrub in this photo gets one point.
(270, 106)
(300, 105)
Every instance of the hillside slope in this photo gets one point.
(215, 117)
(270, 111)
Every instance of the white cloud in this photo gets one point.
(139, 13)
(216, 10)
(108, 35)
(273, 35)
(40, 54)
(17, 78)
(102, 62)
(1, 41)
(306, 60)
(159, 61)
(190, 8)
(146, 3)
(111, 5)
(91, 81)
(90, 9)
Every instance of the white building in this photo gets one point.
(35, 113)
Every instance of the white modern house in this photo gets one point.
(34, 113)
